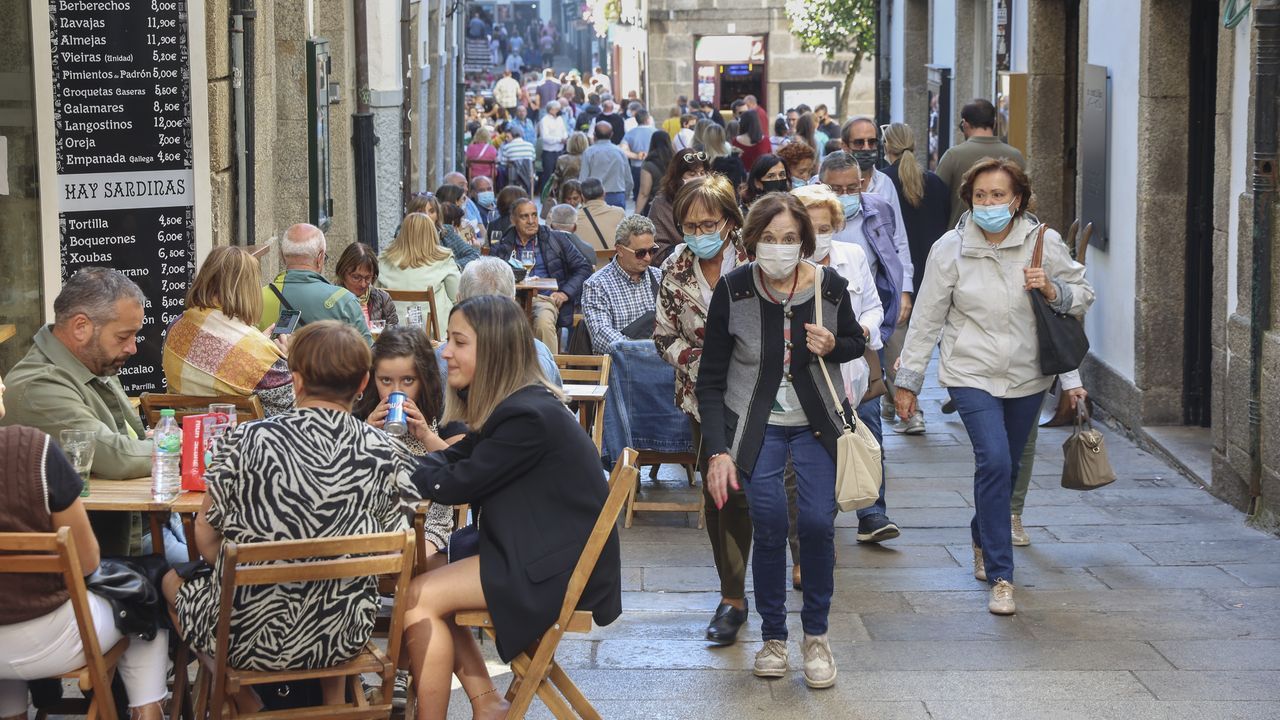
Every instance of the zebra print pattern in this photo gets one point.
(306, 474)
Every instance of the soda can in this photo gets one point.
(396, 424)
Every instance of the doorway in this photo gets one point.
(1201, 109)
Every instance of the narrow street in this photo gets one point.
(1146, 599)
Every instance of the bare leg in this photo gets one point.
(246, 701)
(333, 690)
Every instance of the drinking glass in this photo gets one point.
(376, 327)
(527, 259)
(228, 409)
(77, 445)
(213, 436)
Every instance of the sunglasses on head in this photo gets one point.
(692, 157)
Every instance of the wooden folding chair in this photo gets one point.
(654, 459)
(427, 296)
(267, 563)
(590, 370)
(248, 407)
(535, 670)
(55, 554)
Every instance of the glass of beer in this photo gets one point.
(77, 445)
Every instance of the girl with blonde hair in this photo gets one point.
(416, 260)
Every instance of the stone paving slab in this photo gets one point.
(1212, 684)
(1209, 552)
(1138, 533)
(1221, 654)
(1181, 576)
(1255, 574)
(1088, 708)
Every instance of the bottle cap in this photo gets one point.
(168, 412)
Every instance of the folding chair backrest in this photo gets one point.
(248, 407)
(428, 297)
(55, 554)
(621, 480)
(592, 369)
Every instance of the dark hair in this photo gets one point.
(714, 192)
(569, 186)
(450, 194)
(93, 292)
(1017, 178)
(680, 163)
(763, 165)
(451, 214)
(332, 360)
(507, 197)
(802, 108)
(749, 125)
(642, 116)
(592, 188)
(768, 207)
(832, 146)
(660, 151)
(780, 126)
(399, 341)
(979, 114)
(357, 255)
(806, 131)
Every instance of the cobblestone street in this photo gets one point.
(1146, 599)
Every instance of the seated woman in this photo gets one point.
(428, 204)
(38, 632)
(537, 503)
(315, 472)
(417, 261)
(215, 347)
(403, 361)
(358, 271)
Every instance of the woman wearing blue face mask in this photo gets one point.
(707, 216)
(975, 296)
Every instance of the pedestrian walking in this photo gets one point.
(978, 125)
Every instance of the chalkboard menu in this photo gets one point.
(122, 122)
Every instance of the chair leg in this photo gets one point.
(631, 502)
(653, 471)
(571, 693)
(180, 705)
(688, 470)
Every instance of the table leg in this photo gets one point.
(189, 532)
(157, 521)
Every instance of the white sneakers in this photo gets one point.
(979, 570)
(819, 664)
(1020, 536)
(1001, 602)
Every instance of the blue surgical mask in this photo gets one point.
(992, 218)
(485, 198)
(704, 246)
(852, 204)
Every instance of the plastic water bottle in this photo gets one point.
(166, 459)
(415, 316)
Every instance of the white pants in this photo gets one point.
(49, 645)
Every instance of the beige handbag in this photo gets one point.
(858, 469)
(1085, 466)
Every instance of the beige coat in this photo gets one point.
(606, 216)
(973, 298)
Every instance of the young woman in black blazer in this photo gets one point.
(533, 478)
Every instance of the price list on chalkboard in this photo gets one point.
(122, 121)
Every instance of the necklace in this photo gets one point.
(795, 280)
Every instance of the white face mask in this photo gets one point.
(821, 246)
(777, 260)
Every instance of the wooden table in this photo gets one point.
(135, 496)
(7, 331)
(527, 288)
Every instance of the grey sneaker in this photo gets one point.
(914, 426)
(979, 569)
(771, 661)
(887, 410)
(1001, 602)
(1020, 536)
(819, 665)
(400, 693)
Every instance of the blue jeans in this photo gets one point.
(816, 505)
(998, 429)
(616, 199)
(175, 540)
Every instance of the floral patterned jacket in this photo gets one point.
(681, 321)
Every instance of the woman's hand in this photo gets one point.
(1037, 279)
(282, 342)
(1077, 396)
(418, 425)
(905, 402)
(379, 415)
(818, 339)
(721, 476)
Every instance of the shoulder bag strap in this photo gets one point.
(280, 295)
(1037, 255)
(595, 227)
(653, 282)
(817, 320)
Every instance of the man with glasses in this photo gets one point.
(978, 124)
(626, 289)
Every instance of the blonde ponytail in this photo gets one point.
(900, 141)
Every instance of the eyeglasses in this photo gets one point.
(641, 253)
(703, 228)
(361, 278)
(692, 157)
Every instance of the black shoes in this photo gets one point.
(949, 407)
(724, 627)
(876, 528)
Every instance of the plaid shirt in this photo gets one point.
(611, 300)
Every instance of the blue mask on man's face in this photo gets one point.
(485, 198)
(852, 204)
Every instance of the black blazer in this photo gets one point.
(924, 224)
(536, 500)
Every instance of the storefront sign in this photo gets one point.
(117, 128)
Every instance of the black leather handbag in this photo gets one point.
(132, 586)
(1063, 343)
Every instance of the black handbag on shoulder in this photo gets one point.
(642, 327)
(1061, 337)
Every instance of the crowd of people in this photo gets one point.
(750, 250)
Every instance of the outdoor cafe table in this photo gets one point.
(7, 331)
(527, 288)
(135, 496)
(590, 399)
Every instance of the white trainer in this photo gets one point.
(1001, 602)
(771, 661)
(979, 569)
(819, 665)
(1020, 536)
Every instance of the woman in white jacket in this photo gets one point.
(975, 297)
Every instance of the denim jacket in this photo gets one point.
(638, 411)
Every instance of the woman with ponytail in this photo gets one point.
(926, 207)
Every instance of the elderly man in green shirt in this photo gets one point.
(302, 287)
(68, 381)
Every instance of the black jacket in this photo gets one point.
(762, 346)
(924, 224)
(536, 503)
(563, 260)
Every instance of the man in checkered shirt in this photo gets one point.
(625, 289)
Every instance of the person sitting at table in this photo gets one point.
(597, 220)
(504, 205)
(39, 636)
(68, 381)
(430, 205)
(358, 271)
(554, 257)
(213, 348)
(563, 218)
(626, 289)
(416, 260)
(302, 287)
(507, 467)
(315, 472)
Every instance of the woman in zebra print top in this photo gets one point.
(314, 472)
(533, 478)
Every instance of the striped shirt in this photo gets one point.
(515, 149)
